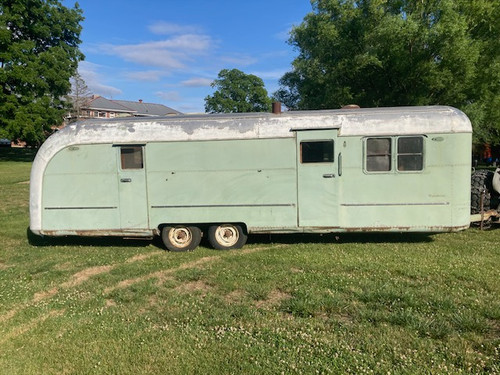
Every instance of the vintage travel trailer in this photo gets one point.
(226, 176)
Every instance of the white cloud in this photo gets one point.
(197, 82)
(168, 28)
(171, 96)
(95, 80)
(172, 53)
(271, 74)
(148, 75)
(284, 35)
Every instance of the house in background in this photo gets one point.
(99, 107)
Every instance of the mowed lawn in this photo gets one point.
(333, 304)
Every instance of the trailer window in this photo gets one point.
(378, 154)
(410, 153)
(131, 157)
(316, 151)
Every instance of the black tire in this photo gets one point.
(481, 182)
(181, 237)
(226, 236)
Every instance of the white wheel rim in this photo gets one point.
(180, 237)
(227, 235)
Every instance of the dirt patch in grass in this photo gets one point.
(162, 276)
(494, 328)
(77, 279)
(9, 314)
(198, 262)
(194, 286)
(66, 266)
(153, 301)
(82, 276)
(30, 325)
(166, 274)
(342, 319)
(45, 294)
(236, 296)
(141, 257)
(125, 284)
(257, 249)
(274, 299)
(36, 298)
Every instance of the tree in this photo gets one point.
(38, 54)
(237, 92)
(79, 96)
(399, 52)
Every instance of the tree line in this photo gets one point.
(39, 53)
(367, 52)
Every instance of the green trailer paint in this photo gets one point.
(225, 176)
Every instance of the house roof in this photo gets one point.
(148, 109)
(103, 104)
(138, 108)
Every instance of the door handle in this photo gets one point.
(125, 180)
(330, 175)
(340, 164)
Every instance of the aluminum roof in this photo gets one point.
(372, 121)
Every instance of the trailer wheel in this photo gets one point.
(181, 238)
(226, 236)
(481, 182)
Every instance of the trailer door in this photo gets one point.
(132, 187)
(317, 178)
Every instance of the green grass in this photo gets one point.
(399, 304)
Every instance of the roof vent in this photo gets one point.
(276, 108)
(351, 106)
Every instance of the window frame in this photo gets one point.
(394, 154)
(398, 154)
(331, 141)
(122, 158)
(366, 155)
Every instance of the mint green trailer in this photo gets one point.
(225, 176)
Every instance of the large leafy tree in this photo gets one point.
(39, 53)
(237, 92)
(399, 52)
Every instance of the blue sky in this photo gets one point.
(170, 51)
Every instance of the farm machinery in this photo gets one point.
(485, 197)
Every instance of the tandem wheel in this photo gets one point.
(226, 236)
(180, 237)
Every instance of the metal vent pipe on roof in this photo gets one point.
(276, 108)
